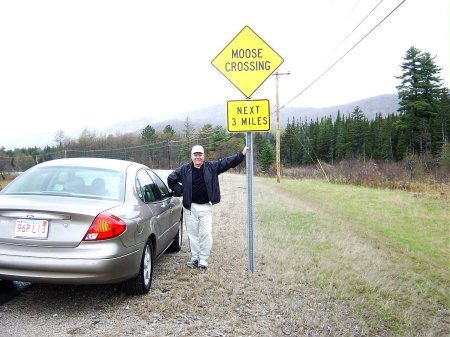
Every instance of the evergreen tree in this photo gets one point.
(167, 135)
(149, 137)
(313, 137)
(375, 144)
(358, 130)
(287, 145)
(259, 141)
(268, 156)
(305, 144)
(325, 145)
(148, 134)
(204, 138)
(389, 138)
(340, 137)
(219, 135)
(440, 133)
(419, 94)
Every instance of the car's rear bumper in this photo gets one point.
(70, 270)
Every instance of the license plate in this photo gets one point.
(31, 228)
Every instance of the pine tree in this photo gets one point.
(440, 133)
(287, 145)
(419, 94)
(389, 138)
(375, 146)
(325, 145)
(148, 134)
(267, 158)
(358, 127)
(340, 137)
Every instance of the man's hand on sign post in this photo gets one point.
(244, 151)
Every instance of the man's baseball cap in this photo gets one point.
(197, 149)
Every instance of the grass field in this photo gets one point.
(384, 252)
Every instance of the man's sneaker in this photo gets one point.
(203, 264)
(192, 263)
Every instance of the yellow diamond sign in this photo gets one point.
(247, 61)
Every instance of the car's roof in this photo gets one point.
(114, 164)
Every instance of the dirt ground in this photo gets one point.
(224, 300)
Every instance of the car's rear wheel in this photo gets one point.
(6, 283)
(142, 282)
(178, 240)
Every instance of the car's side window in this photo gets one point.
(162, 188)
(138, 188)
(146, 188)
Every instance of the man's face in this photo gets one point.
(198, 158)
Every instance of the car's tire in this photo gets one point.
(6, 283)
(178, 240)
(142, 282)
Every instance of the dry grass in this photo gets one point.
(331, 241)
(414, 175)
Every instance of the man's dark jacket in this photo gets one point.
(180, 180)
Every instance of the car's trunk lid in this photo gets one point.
(50, 221)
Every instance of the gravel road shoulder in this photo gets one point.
(224, 300)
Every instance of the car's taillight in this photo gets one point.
(105, 226)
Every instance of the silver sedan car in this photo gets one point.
(87, 221)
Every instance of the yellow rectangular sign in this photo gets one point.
(248, 115)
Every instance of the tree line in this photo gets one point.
(420, 128)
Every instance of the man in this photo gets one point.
(198, 183)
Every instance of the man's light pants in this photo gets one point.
(199, 227)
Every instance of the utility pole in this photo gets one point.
(277, 132)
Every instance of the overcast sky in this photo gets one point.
(66, 65)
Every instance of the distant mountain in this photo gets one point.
(216, 115)
(383, 104)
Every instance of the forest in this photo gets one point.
(417, 135)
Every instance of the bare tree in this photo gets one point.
(60, 137)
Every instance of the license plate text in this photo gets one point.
(31, 228)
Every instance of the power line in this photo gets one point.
(346, 53)
(357, 26)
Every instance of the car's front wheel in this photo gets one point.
(142, 282)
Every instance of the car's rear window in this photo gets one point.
(72, 181)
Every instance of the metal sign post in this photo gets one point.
(249, 162)
(247, 61)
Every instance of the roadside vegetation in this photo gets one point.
(5, 178)
(384, 252)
